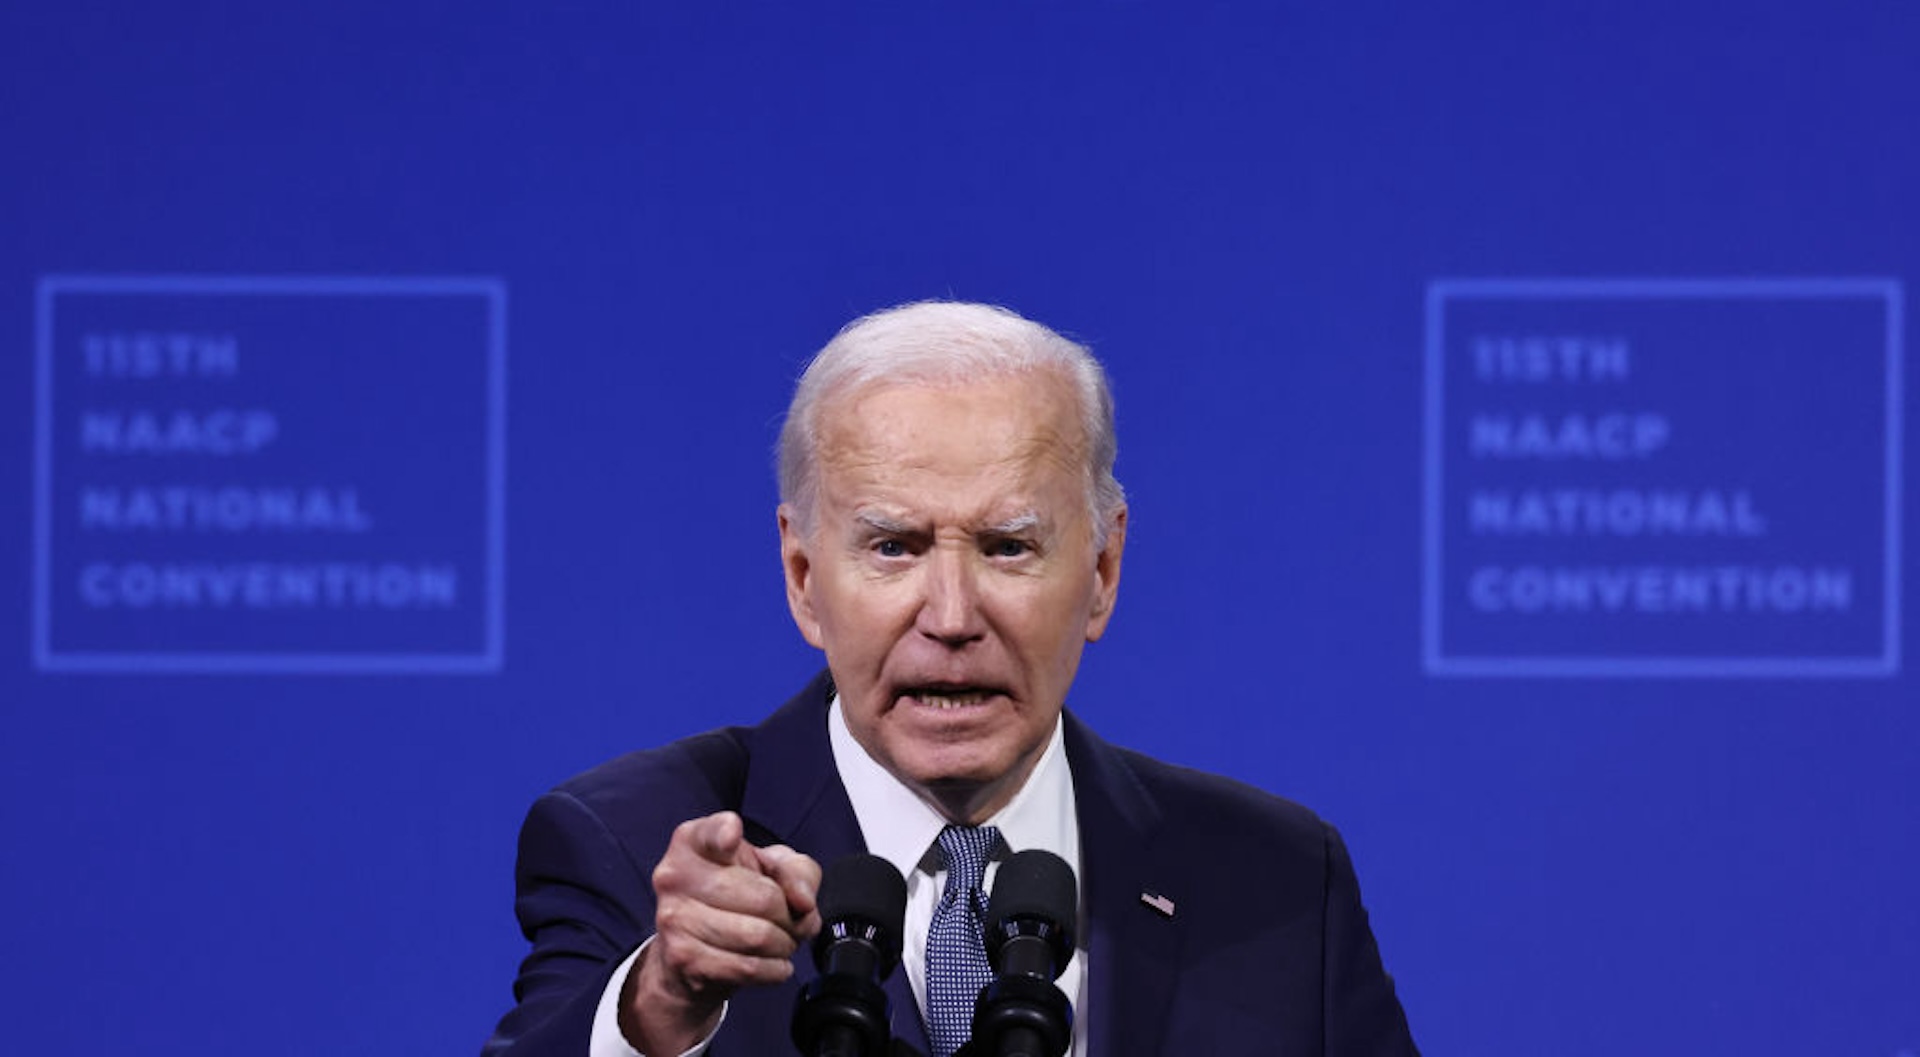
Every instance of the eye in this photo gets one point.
(1008, 548)
(890, 549)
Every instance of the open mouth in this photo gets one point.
(948, 697)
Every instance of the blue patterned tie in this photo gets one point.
(956, 958)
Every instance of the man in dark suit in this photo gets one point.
(951, 533)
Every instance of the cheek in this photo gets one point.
(1049, 619)
(859, 619)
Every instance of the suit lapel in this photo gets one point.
(793, 793)
(793, 796)
(1132, 952)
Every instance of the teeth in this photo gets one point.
(944, 701)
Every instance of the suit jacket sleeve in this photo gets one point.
(585, 905)
(584, 881)
(1363, 1015)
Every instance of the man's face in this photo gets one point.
(951, 576)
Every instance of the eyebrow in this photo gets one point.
(1017, 525)
(883, 524)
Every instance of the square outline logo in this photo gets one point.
(1441, 291)
(489, 659)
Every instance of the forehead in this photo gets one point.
(1005, 433)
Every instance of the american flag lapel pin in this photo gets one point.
(1158, 902)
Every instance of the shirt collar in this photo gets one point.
(900, 827)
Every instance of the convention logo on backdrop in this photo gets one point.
(1663, 477)
(268, 474)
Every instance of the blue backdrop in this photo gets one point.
(1510, 403)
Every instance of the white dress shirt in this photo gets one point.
(901, 828)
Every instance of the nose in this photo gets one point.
(950, 611)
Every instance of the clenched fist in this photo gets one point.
(728, 915)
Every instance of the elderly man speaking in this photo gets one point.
(951, 533)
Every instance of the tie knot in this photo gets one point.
(967, 849)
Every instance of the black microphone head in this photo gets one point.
(862, 897)
(1034, 895)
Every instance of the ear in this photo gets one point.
(799, 574)
(1106, 576)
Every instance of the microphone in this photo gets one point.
(844, 1012)
(1029, 938)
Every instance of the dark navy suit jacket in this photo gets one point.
(1267, 951)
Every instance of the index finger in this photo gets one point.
(720, 838)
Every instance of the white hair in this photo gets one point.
(941, 343)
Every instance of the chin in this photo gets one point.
(948, 766)
(960, 773)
